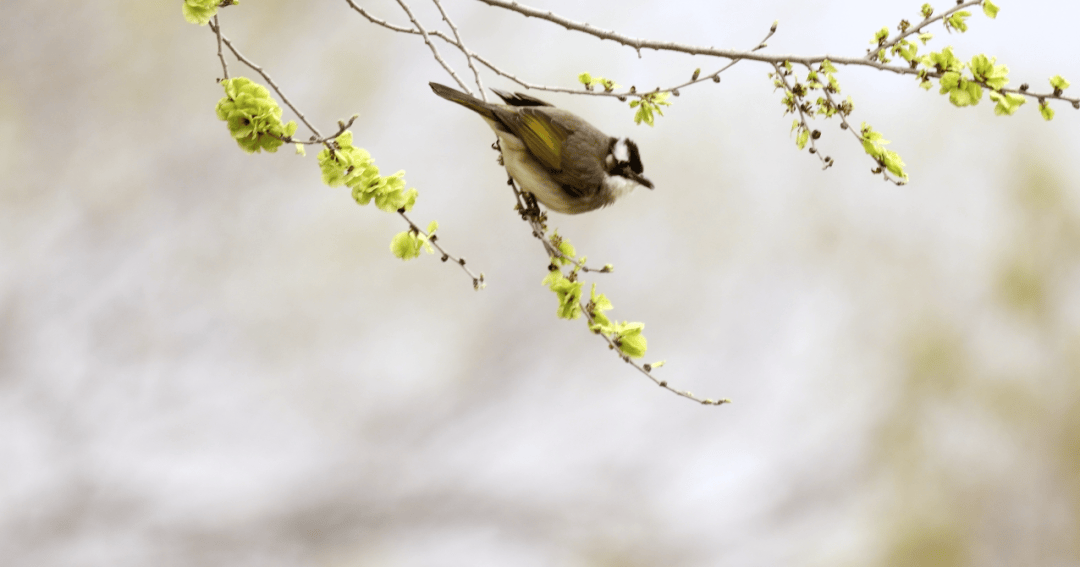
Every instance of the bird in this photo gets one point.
(569, 165)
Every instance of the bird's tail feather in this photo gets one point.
(468, 101)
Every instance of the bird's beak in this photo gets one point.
(640, 179)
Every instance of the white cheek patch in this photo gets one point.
(619, 186)
(621, 151)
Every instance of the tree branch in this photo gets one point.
(236, 53)
(478, 280)
(434, 50)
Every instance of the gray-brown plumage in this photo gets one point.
(569, 165)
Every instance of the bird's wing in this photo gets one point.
(570, 148)
(582, 172)
(541, 131)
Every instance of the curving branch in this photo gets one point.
(905, 33)
(807, 60)
(434, 50)
(433, 239)
(469, 56)
(239, 56)
(317, 138)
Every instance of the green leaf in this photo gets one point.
(585, 79)
(406, 245)
(880, 36)
(199, 11)
(957, 21)
(804, 137)
(906, 49)
(945, 60)
(827, 66)
(1059, 82)
(983, 68)
(568, 292)
(629, 339)
(432, 227)
(300, 151)
(961, 91)
(874, 145)
(648, 104)
(567, 249)
(1046, 111)
(597, 305)
(925, 37)
(1007, 103)
(990, 9)
(926, 10)
(252, 116)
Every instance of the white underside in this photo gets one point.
(618, 186)
(530, 175)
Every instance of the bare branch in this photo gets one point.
(465, 50)
(224, 66)
(434, 50)
(433, 239)
(381, 22)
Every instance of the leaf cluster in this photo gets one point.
(345, 164)
(202, 11)
(407, 245)
(963, 81)
(253, 116)
(626, 336)
(592, 82)
(648, 105)
(874, 146)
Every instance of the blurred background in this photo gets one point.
(209, 358)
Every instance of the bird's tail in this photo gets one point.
(468, 101)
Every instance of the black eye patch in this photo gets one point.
(635, 158)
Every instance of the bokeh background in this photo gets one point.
(209, 358)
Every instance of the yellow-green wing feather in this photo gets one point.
(543, 136)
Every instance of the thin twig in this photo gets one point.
(478, 280)
(858, 136)
(796, 102)
(885, 46)
(384, 23)
(342, 127)
(715, 77)
(808, 60)
(434, 50)
(224, 66)
(539, 231)
(465, 50)
(640, 368)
